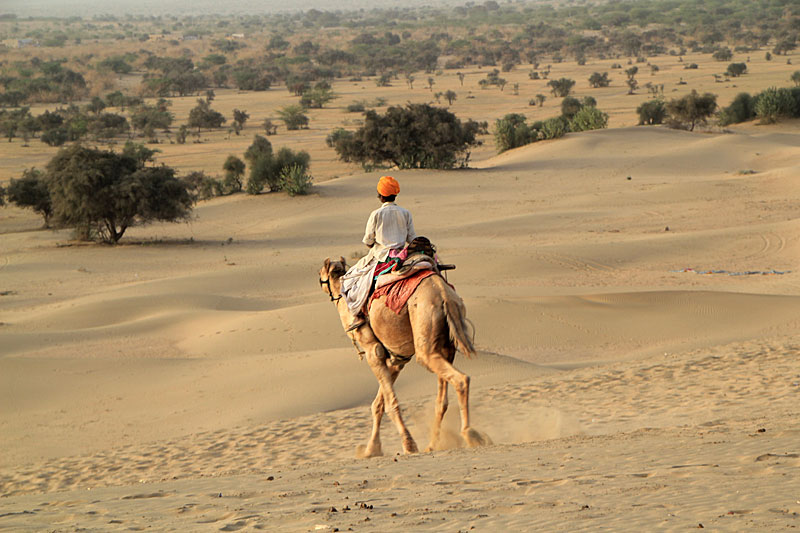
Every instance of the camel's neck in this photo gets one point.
(340, 303)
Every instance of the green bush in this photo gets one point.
(652, 112)
(570, 106)
(589, 118)
(742, 108)
(295, 180)
(511, 132)
(773, 104)
(553, 128)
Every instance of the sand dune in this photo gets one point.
(631, 348)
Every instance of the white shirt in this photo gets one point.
(388, 228)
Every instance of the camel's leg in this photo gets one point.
(460, 382)
(440, 410)
(386, 378)
(373, 447)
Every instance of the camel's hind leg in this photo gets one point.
(460, 382)
(387, 399)
(440, 410)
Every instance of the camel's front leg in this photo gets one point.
(373, 447)
(439, 411)
(386, 377)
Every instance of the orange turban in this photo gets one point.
(388, 186)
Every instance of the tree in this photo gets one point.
(414, 136)
(691, 109)
(109, 192)
(269, 127)
(540, 98)
(652, 112)
(293, 116)
(410, 81)
(450, 96)
(267, 168)
(202, 116)
(239, 120)
(317, 97)
(460, 78)
(736, 69)
(597, 80)
(30, 191)
(234, 170)
(431, 82)
(796, 78)
(561, 87)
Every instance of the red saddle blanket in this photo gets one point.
(398, 293)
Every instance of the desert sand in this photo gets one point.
(636, 300)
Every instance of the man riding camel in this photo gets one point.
(388, 230)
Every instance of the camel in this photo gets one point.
(431, 327)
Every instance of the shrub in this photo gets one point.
(204, 187)
(293, 116)
(512, 132)
(599, 80)
(570, 106)
(691, 109)
(742, 108)
(773, 104)
(561, 87)
(30, 191)
(266, 167)
(414, 136)
(589, 118)
(553, 128)
(736, 69)
(202, 116)
(234, 170)
(652, 112)
(295, 180)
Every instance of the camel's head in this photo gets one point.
(330, 272)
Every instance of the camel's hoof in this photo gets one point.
(475, 438)
(365, 452)
(409, 446)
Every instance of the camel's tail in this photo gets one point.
(457, 323)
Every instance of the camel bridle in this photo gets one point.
(330, 291)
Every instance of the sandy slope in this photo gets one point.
(200, 360)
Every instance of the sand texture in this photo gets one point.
(635, 294)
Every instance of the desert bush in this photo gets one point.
(234, 170)
(414, 136)
(599, 80)
(570, 106)
(294, 117)
(691, 109)
(202, 116)
(553, 128)
(267, 167)
(723, 54)
(511, 131)
(736, 69)
(561, 87)
(742, 108)
(652, 112)
(773, 104)
(204, 187)
(295, 180)
(588, 118)
(30, 191)
(109, 192)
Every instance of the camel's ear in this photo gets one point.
(341, 258)
(327, 262)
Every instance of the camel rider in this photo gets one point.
(389, 228)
